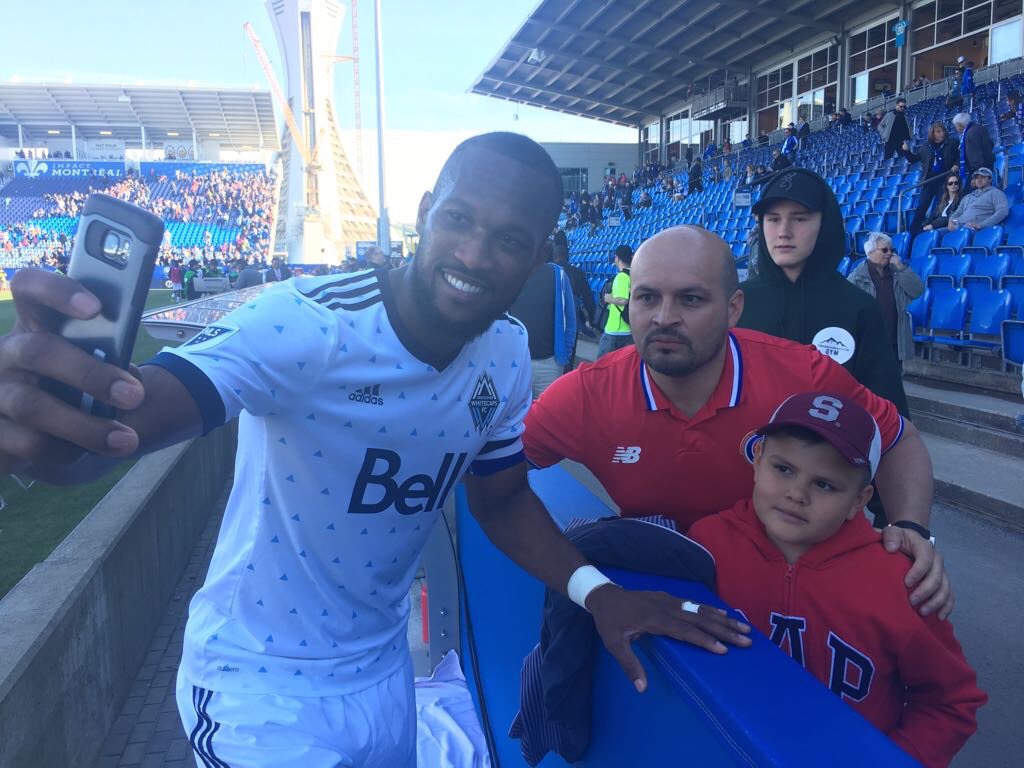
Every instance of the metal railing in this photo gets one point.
(911, 187)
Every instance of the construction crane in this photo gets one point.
(358, 105)
(309, 156)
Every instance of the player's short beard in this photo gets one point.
(433, 318)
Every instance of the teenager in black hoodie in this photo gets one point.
(798, 294)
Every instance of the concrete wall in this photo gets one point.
(74, 631)
(594, 157)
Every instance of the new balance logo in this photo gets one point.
(370, 394)
(630, 455)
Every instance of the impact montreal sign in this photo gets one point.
(34, 169)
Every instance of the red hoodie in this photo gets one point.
(842, 612)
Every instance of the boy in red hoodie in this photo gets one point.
(804, 566)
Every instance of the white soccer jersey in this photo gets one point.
(348, 446)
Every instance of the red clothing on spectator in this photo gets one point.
(841, 612)
(652, 459)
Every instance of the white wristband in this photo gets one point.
(583, 581)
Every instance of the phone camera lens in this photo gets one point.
(117, 247)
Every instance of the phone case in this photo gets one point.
(113, 257)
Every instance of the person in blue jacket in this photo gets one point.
(789, 146)
(547, 307)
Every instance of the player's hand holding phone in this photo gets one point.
(63, 367)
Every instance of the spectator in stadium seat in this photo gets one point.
(645, 200)
(696, 177)
(726, 170)
(966, 71)
(894, 129)
(726, 147)
(616, 333)
(803, 130)
(779, 160)
(789, 145)
(976, 150)
(689, 156)
(938, 156)
(985, 206)
(483, 230)
(950, 200)
(586, 311)
(682, 404)
(710, 151)
(747, 143)
(749, 175)
(845, 118)
(893, 284)
(1016, 108)
(798, 293)
(763, 138)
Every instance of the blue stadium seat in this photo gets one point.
(844, 266)
(899, 244)
(948, 312)
(951, 267)
(988, 269)
(954, 240)
(919, 310)
(1012, 334)
(985, 241)
(988, 311)
(924, 266)
(1016, 291)
(854, 224)
(923, 244)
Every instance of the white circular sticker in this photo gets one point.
(837, 343)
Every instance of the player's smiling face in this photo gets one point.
(479, 240)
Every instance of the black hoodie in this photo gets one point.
(822, 307)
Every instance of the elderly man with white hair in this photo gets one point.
(976, 150)
(894, 285)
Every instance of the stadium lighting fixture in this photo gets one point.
(53, 133)
(214, 135)
(537, 56)
(173, 133)
(106, 133)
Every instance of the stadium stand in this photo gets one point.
(976, 278)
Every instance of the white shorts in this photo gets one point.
(175, 286)
(371, 728)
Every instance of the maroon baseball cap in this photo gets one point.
(840, 421)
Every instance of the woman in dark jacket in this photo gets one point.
(937, 156)
(952, 194)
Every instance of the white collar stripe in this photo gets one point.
(737, 372)
(645, 385)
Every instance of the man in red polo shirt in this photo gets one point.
(667, 426)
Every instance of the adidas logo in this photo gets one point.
(370, 394)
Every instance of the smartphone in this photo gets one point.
(113, 257)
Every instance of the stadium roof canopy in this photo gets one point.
(629, 62)
(235, 117)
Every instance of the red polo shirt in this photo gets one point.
(611, 417)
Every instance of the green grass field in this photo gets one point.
(37, 520)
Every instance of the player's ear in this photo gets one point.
(426, 203)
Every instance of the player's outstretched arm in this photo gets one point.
(53, 441)
(516, 521)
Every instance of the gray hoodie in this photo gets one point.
(983, 208)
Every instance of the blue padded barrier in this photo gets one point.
(699, 709)
(1013, 341)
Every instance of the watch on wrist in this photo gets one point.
(917, 528)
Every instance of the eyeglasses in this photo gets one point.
(887, 250)
(952, 183)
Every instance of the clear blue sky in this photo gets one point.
(433, 52)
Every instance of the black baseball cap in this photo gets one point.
(795, 185)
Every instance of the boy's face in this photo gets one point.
(803, 493)
(791, 232)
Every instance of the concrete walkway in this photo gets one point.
(148, 732)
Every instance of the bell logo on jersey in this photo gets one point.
(626, 455)
(418, 493)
